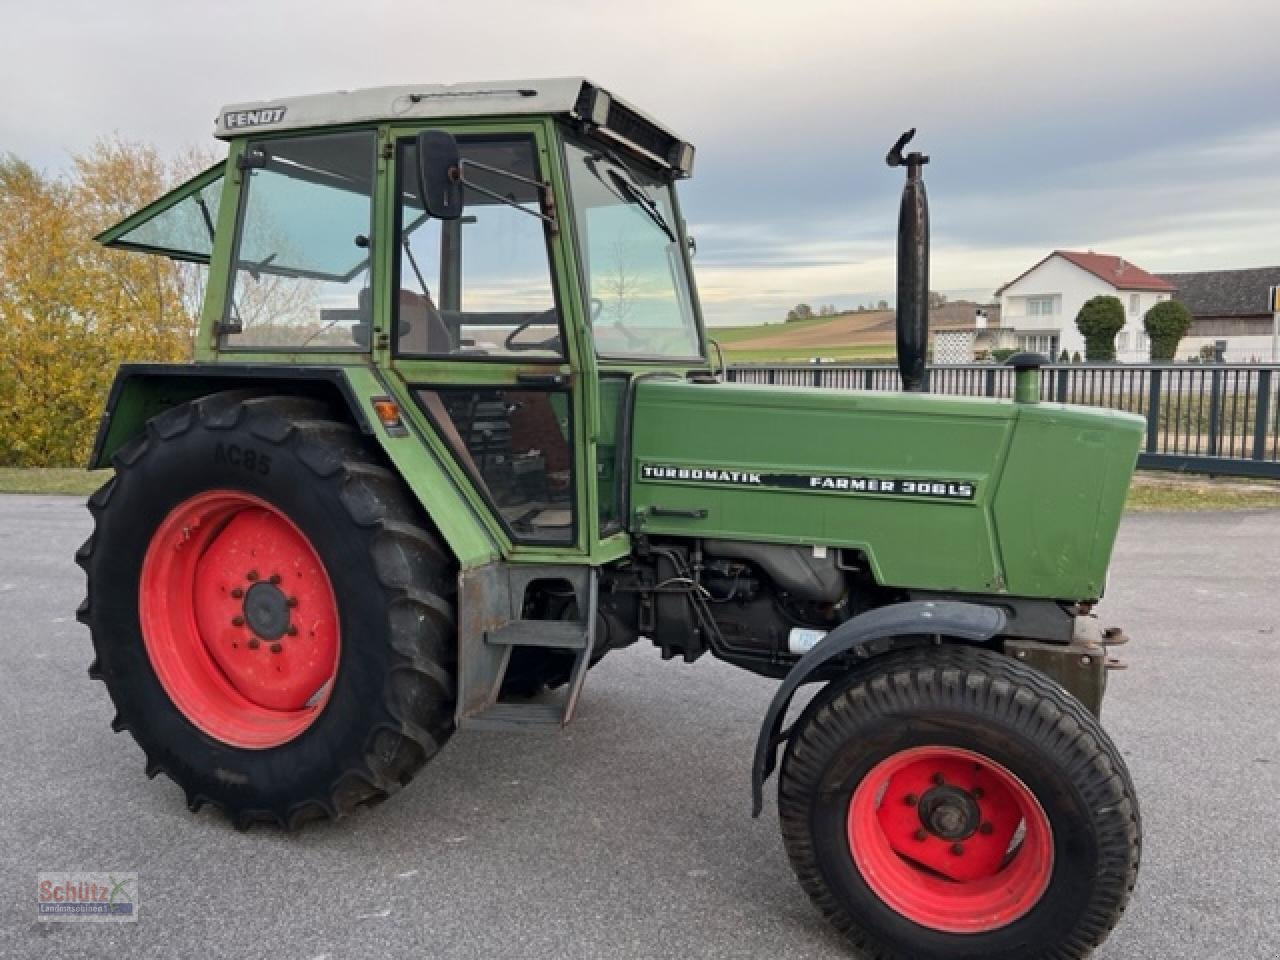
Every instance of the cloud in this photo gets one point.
(1148, 128)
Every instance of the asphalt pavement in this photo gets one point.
(628, 835)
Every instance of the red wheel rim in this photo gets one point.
(239, 619)
(950, 839)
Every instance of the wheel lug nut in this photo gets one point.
(292, 631)
(253, 643)
(237, 592)
(291, 602)
(251, 575)
(237, 621)
(937, 780)
(910, 800)
(986, 829)
(276, 648)
(275, 578)
(921, 835)
(978, 793)
(958, 849)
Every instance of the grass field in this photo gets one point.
(51, 480)
(1149, 491)
(728, 335)
(862, 354)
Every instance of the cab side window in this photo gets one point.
(301, 265)
(479, 286)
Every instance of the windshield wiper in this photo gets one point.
(627, 190)
(646, 203)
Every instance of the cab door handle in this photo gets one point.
(542, 379)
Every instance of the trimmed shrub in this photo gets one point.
(1166, 323)
(1100, 319)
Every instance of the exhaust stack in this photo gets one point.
(913, 267)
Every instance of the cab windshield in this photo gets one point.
(634, 267)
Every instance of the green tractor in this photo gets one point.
(453, 432)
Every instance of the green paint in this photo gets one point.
(1049, 481)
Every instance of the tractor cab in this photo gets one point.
(507, 326)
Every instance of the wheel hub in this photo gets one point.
(266, 610)
(249, 659)
(950, 839)
(950, 813)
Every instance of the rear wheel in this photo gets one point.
(953, 804)
(271, 616)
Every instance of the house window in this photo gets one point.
(1134, 303)
(1122, 341)
(1046, 343)
(1040, 306)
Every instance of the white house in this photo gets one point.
(1039, 308)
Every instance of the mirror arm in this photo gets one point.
(548, 214)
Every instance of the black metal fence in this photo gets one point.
(1215, 418)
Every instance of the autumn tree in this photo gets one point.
(71, 310)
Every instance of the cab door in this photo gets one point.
(479, 339)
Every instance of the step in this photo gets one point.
(557, 634)
(528, 717)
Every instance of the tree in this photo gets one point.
(1100, 319)
(936, 299)
(882, 305)
(71, 310)
(1075, 357)
(801, 311)
(1062, 357)
(1166, 323)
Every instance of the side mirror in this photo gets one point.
(439, 174)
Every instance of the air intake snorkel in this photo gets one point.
(913, 267)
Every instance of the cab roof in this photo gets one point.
(574, 97)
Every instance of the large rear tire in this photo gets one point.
(952, 803)
(270, 613)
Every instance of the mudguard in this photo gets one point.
(866, 635)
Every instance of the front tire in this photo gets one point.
(952, 803)
(269, 612)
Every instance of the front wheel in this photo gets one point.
(953, 804)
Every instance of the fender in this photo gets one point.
(866, 635)
(143, 390)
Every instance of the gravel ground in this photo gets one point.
(629, 834)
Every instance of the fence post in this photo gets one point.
(1215, 410)
(1261, 411)
(1153, 409)
(1060, 376)
(869, 378)
(817, 376)
(989, 382)
(769, 379)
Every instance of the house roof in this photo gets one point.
(1225, 293)
(959, 315)
(1117, 271)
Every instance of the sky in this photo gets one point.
(1145, 129)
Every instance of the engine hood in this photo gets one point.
(940, 493)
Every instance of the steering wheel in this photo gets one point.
(542, 319)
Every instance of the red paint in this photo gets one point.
(234, 689)
(984, 888)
